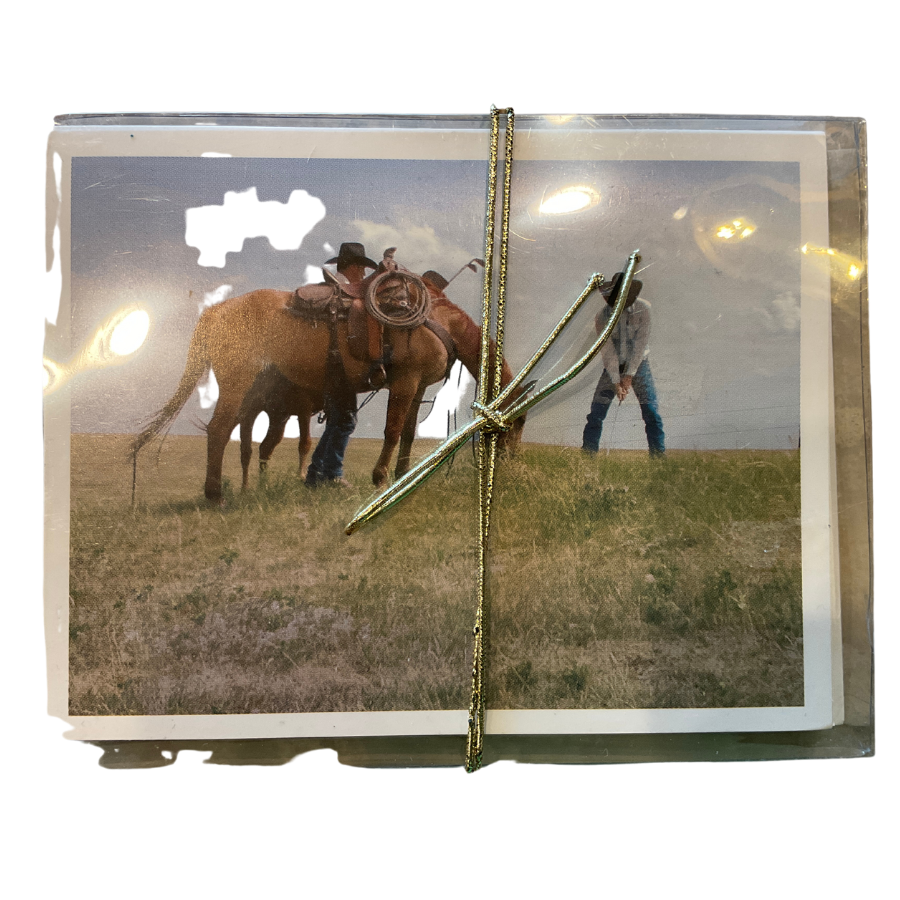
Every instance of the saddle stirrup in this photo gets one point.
(377, 376)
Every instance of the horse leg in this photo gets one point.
(219, 430)
(246, 450)
(272, 439)
(402, 395)
(305, 442)
(408, 435)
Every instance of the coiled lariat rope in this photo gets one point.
(495, 411)
(410, 306)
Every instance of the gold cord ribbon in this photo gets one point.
(495, 412)
(486, 442)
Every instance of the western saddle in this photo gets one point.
(391, 298)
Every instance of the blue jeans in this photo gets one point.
(645, 391)
(327, 463)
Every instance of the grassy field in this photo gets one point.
(618, 582)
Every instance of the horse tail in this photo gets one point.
(197, 366)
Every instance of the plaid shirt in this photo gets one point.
(629, 344)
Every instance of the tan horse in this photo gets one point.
(280, 398)
(244, 335)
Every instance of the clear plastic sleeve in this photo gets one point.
(680, 560)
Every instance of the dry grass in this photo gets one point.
(618, 582)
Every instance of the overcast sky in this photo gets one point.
(725, 347)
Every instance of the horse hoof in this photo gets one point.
(214, 498)
(379, 478)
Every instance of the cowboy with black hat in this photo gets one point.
(351, 254)
(626, 366)
(327, 463)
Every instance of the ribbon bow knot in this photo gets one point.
(493, 419)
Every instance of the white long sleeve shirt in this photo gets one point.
(630, 341)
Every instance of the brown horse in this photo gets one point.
(281, 398)
(244, 335)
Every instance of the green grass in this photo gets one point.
(617, 582)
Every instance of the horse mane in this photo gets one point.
(467, 334)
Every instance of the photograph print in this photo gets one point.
(253, 346)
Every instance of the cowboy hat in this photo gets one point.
(352, 254)
(611, 287)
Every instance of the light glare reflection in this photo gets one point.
(130, 333)
(739, 228)
(118, 338)
(569, 200)
(54, 375)
(841, 265)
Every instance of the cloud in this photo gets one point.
(418, 247)
(787, 310)
(783, 314)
